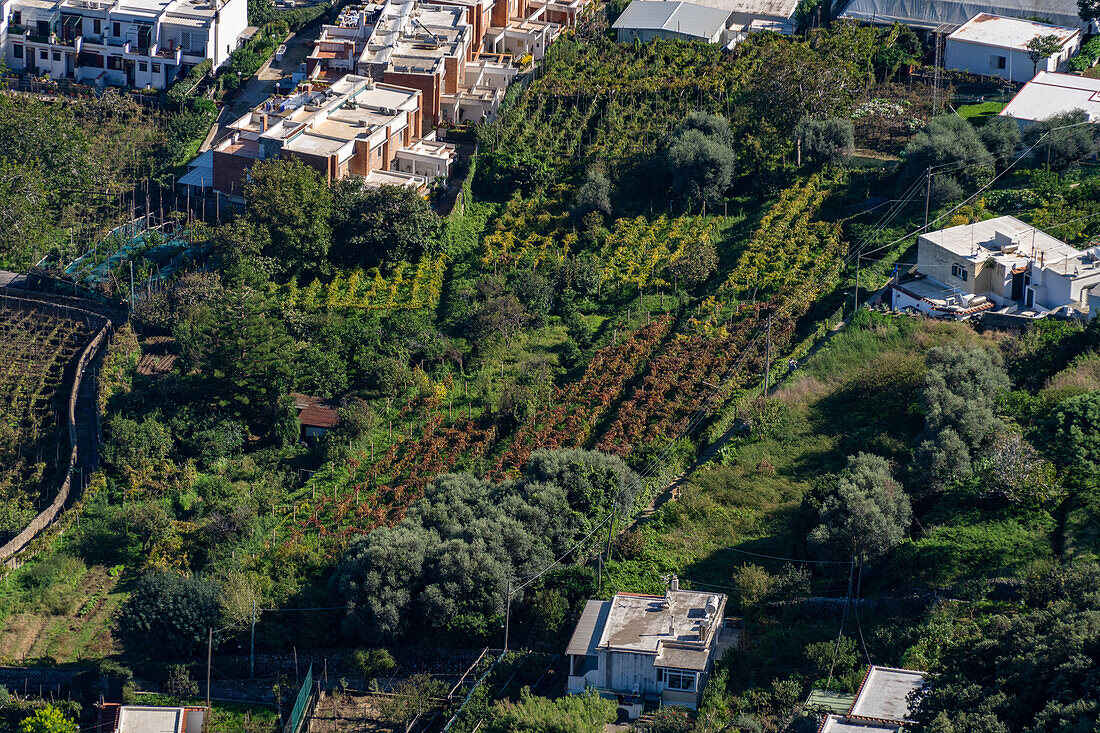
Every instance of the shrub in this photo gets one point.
(169, 616)
(825, 142)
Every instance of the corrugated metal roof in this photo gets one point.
(932, 14)
(756, 8)
(679, 17)
(589, 629)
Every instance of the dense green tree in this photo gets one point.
(1042, 47)
(949, 139)
(594, 194)
(825, 142)
(169, 616)
(1063, 140)
(700, 158)
(695, 264)
(47, 719)
(1036, 670)
(25, 226)
(248, 358)
(960, 404)
(382, 226)
(293, 204)
(587, 713)
(447, 563)
(1075, 434)
(1001, 137)
(866, 513)
(595, 483)
(132, 444)
(1089, 10)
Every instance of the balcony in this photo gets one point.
(17, 30)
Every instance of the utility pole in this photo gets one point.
(768, 358)
(927, 193)
(252, 644)
(507, 613)
(209, 655)
(855, 297)
(131, 285)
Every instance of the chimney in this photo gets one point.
(674, 583)
(671, 625)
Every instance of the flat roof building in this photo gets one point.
(1050, 94)
(137, 43)
(999, 265)
(649, 19)
(353, 127)
(653, 647)
(883, 703)
(995, 45)
(928, 15)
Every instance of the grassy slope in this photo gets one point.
(839, 403)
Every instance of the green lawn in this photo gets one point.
(982, 109)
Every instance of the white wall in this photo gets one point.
(623, 672)
(981, 59)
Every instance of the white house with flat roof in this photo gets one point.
(1001, 265)
(1050, 94)
(884, 703)
(996, 45)
(649, 647)
(137, 43)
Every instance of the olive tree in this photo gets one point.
(866, 513)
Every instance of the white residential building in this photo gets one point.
(1050, 94)
(995, 45)
(649, 647)
(999, 265)
(138, 43)
(150, 719)
(645, 20)
(883, 705)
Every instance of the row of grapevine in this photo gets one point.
(582, 404)
(407, 288)
(720, 349)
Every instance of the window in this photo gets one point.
(56, 55)
(17, 50)
(142, 66)
(998, 62)
(679, 679)
(44, 55)
(958, 271)
(156, 68)
(97, 26)
(116, 29)
(114, 63)
(660, 675)
(17, 17)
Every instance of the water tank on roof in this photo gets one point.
(712, 605)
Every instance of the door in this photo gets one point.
(1017, 286)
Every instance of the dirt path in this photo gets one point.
(82, 630)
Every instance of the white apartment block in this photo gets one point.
(137, 43)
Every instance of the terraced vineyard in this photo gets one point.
(36, 346)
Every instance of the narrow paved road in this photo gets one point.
(262, 85)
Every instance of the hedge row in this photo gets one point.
(185, 87)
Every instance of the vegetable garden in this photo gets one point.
(35, 348)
